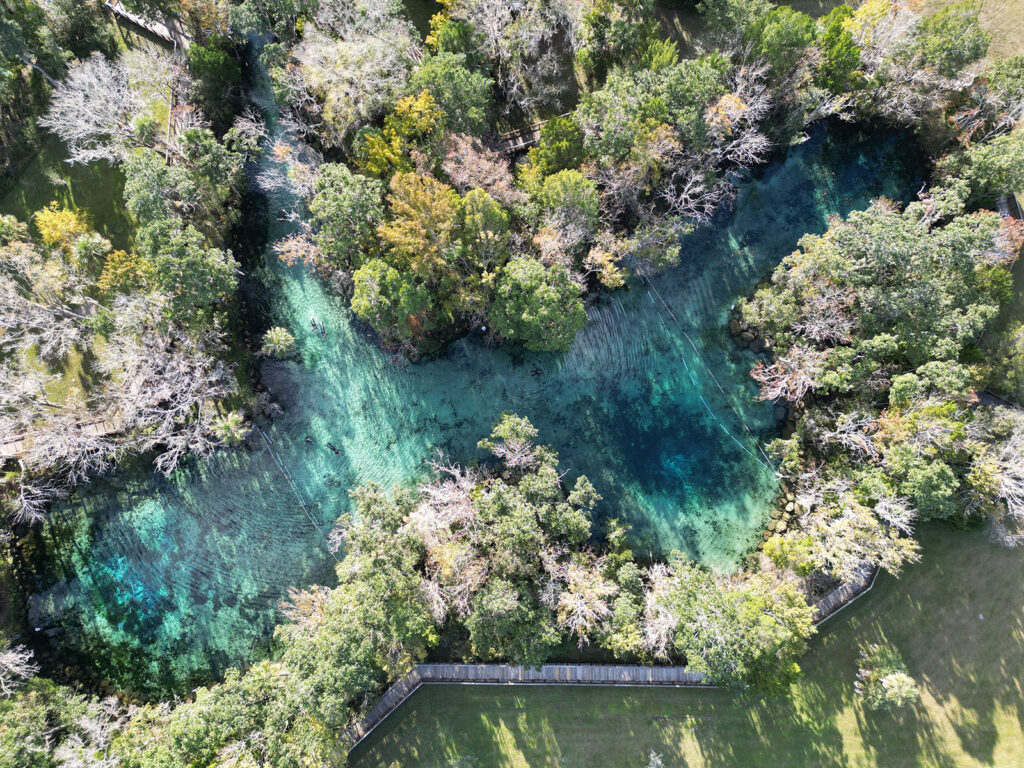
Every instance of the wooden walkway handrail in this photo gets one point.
(15, 446)
(518, 674)
(519, 139)
(170, 29)
(571, 674)
(845, 594)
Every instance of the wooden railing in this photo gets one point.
(571, 674)
(170, 29)
(845, 594)
(517, 674)
(522, 138)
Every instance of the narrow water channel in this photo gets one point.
(158, 584)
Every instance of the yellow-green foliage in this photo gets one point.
(125, 273)
(866, 19)
(415, 122)
(793, 551)
(603, 263)
(60, 227)
(424, 219)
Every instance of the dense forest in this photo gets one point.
(886, 336)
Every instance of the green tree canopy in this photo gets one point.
(537, 306)
(781, 37)
(507, 622)
(485, 231)
(618, 116)
(890, 284)
(346, 209)
(991, 169)
(194, 276)
(840, 54)
(951, 38)
(732, 16)
(560, 148)
(396, 305)
(569, 206)
(218, 77)
(463, 94)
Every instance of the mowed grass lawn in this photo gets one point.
(1003, 19)
(958, 618)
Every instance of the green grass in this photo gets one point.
(1003, 19)
(957, 617)
(95, 188)
(76, 377)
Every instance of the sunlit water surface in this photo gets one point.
(158, 584)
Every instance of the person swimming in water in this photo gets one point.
(537, 371)
(331, 446)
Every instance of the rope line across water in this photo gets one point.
(295, 490)
(765, 461)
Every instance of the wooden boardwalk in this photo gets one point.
(570, 674)
(388, 703)
(511, 142)
(19, 445)
(844, 594)
(517, 674)
(985, 397)
(559, 674)
(518, 140)
(170, 29)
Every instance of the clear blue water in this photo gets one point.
(157, 584)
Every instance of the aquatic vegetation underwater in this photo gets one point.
(157, 584)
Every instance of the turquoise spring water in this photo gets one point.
(157, 584)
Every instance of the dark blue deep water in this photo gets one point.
(158, 584)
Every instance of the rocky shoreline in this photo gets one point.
(784, 509)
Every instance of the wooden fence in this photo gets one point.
(388, 703)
